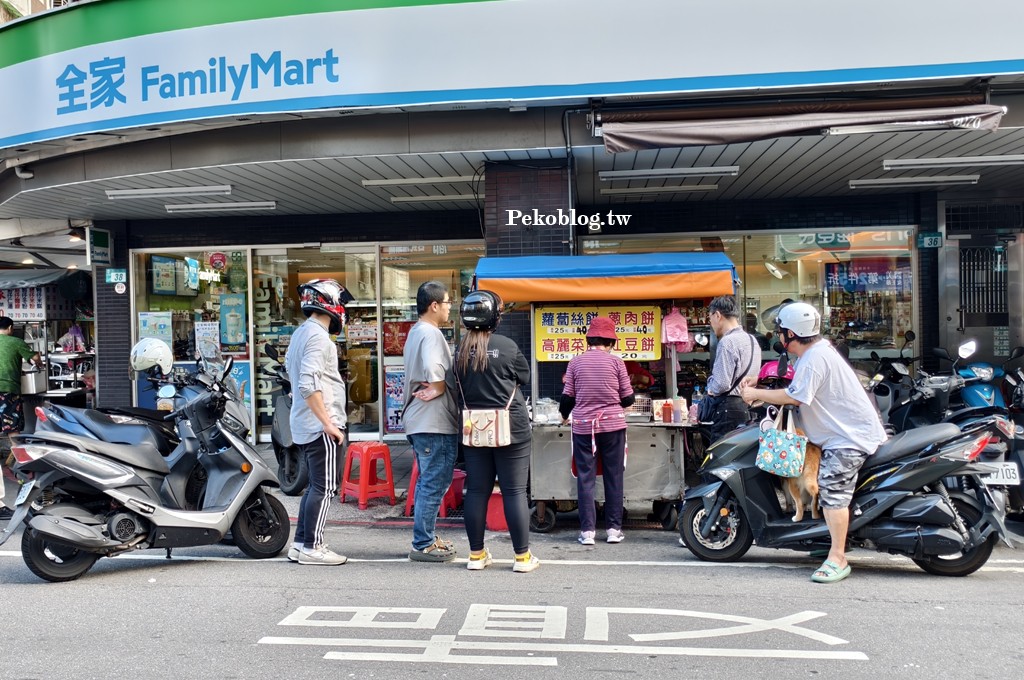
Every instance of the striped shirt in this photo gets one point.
(598, 381)
(736, 350)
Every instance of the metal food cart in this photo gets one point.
(657, 450)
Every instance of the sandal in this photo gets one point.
(829, 572)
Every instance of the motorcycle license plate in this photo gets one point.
(23, 494)
(1008, 474)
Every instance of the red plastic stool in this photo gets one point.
(368, 485)
(452, 497)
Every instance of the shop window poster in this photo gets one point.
(156, 325)
(233, 326)
(163, 275)
(394, 398)
(207, 334)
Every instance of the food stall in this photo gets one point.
(564, 293)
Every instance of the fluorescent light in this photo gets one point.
(433, 198)
(166, 192)
(452, 179)
(660, 190)
(221, 207)
(667, 173)
(960, 162)
(28, 260)
(937, 180)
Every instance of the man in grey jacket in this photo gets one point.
(317, 415)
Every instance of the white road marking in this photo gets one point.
(440, 643)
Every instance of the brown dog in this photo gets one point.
(806, 485)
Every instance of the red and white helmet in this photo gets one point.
(325, 296)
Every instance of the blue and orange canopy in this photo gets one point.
(585, 278)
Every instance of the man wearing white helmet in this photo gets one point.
(835, 413)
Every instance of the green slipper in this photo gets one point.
(829, 572)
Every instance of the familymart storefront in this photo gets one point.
(239, 299)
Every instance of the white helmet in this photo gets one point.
(799, 318)
(150, 352)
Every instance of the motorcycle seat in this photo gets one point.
(911, 441)
(109, 430)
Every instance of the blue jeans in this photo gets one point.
(435, 458)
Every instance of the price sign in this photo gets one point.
(560, 332)
(117, 276)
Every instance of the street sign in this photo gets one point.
(929, 239)
(117, 276)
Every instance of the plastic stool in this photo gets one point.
(368, 485)
(452, 497)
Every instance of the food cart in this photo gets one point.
(564, 293)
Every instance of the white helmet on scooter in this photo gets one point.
(800, 319)
(150, 352)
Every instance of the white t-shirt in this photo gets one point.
(835, 410)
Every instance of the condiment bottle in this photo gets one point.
(666, 412)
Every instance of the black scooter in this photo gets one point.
(291, 467)
(901, 505)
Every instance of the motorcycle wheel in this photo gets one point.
(728, 542)
(962, 563)
(54, 562)
(259, 534)
(292, 472)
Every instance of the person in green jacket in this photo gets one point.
(12, 419)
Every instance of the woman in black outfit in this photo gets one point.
(486, 374)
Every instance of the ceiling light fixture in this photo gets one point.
(169, 192)
(660, 190)
(451, 179)
(72, 266)
(894, 182)
(76, 235)
(668, 173)
(221, 207)
(433, 198)
(960, 162)
(28, 260)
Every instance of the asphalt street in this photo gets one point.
(645, 607)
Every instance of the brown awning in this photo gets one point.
(632, 136)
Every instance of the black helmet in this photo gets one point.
(481, 310)
(325, 296)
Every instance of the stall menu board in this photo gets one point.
(560, 332)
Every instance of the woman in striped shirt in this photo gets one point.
(596, 391)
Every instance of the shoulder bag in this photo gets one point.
(485, 427)
(780, 450)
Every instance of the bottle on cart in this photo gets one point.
(695, 400)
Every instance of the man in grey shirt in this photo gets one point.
(317, 416)
(430, 419)
(738, 355)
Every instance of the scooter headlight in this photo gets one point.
(985, 373)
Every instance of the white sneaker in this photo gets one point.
(525, 566)
(587, 537)
(321, 555)
(293, 553)
(614, 536)
(478, 563)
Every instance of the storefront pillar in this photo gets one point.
(113, 327)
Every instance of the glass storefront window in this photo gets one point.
(197, 301)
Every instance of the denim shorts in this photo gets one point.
(837, 476)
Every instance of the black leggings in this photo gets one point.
(511, 465)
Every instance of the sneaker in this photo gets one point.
(293, 553)
(614, 536)
(587, 537)
(438, 551)
(524, 566)
(321, 555)
(476, 563)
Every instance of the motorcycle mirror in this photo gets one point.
(941, 353)
(166, 392)
(1016, 353)
(779, 348)
(701, 339)
(271, 351)
(909, 337)
(874, 356)
(967, 349)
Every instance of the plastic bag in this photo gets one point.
(73, 340)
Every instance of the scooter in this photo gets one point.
(81, 498)
(291, 466)
(901, 505)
